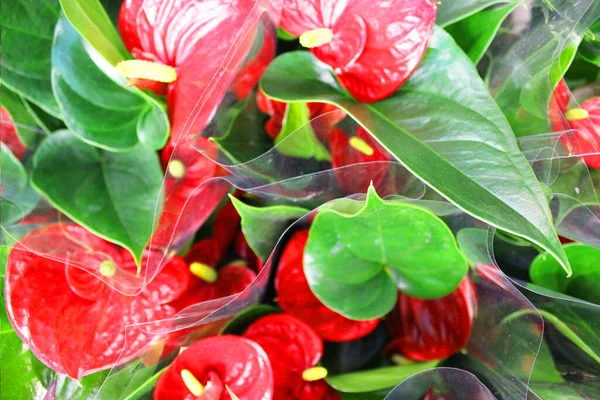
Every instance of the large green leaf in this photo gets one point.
(475, 33)
(27, 32)
(96, 108)
(585, 281)
(263, 226)
(18, 198)
(130, 382)
(90, 19)
(449, 12)
(356, 263)
(377, 379)
(444, 127)
(114, 195)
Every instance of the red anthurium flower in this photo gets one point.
(360, 148)
(558, 105)
(216, 367)
(323, 116)
(243, 250)
(185, 42)
(433, 329)
(248, 77)
(585, 120)
(71, 320)
(294, 350)
(189, 201)
(373, 47)
(208, 282)
(295, 297)
(8, 134)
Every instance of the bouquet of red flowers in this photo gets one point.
(300, 199)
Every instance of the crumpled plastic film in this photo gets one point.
(508, 340)
(439, 384)
(533, 54)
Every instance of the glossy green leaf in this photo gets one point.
(377, 379)
(562, 327)
(283, 35)
(24, 122)
(589, 49)
(449, 11)
(114, 195)
(544, 369)
(96, 108)
(239, 324)
(585, 281)
(130, 382)
(297, 137)
(90, 19)
(18, 198)
(473, 242)
(556, 391)
(263, 226)
(244, 138)
(27, 32)
(444, 127)
(378, 395)
(356, 263)
(475, 33)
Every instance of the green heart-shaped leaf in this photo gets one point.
(96, 108)
(356, 263)
(585, 281)
(444, 127)
(27, 32)
(114, 195)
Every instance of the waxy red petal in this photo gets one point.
(194, 37)
(232, 279)
(433, 329)
(72, 334)
(189, 200)
(586, 139)
(295, 297)
(239, 363)
(292, 347)
(558, 105)
(248, 77)
(343, 154)
(376, 45)
(8, 134)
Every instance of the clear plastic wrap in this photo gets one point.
(509, 342)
